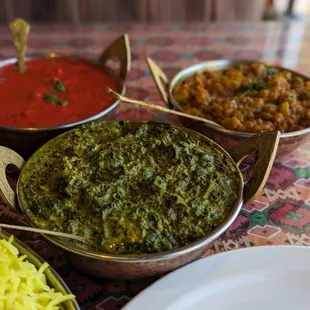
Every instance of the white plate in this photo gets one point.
(269, 277)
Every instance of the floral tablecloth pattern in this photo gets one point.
(279, 215)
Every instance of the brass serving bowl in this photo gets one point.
(263, 147)
(228, 139)
(26, 140)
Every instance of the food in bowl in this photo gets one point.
(130, 187)
(53, 92)
(248, 97)
(22, 285)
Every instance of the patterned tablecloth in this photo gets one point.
(280, 215)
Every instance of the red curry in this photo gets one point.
(53, 92)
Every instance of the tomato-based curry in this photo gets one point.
(53, 91)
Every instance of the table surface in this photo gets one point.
(280, 215)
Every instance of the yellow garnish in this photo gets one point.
(285, 108)
(22, 286)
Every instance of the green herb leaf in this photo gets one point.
(305, 95)
(259, 85)
(237, 98)
(59, 87)
(50, 97)
(271, 71)
(54, 99)
(62, 102)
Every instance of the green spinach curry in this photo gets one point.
(130, 187)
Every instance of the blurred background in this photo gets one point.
(150, 11)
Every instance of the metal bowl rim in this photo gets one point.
(154, 257)
(69, 125)
(188, 71)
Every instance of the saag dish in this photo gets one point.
(131, 187)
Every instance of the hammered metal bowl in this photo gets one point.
(228, 139)
(26, 140)
(263, 147)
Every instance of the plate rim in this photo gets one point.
(132, 304)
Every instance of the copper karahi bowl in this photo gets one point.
(263, 147)
(228, 139)
(26, 140)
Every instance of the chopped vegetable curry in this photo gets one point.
(130, 187)
(248, 97)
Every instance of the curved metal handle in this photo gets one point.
(264, 148)
(161, 80)
(7, 157)
(121, 49)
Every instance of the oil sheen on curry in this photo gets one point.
(130, 187)
(52, 92)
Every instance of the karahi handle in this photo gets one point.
(7, 157)
(264, 148)
(121, 49)
(161, 80)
